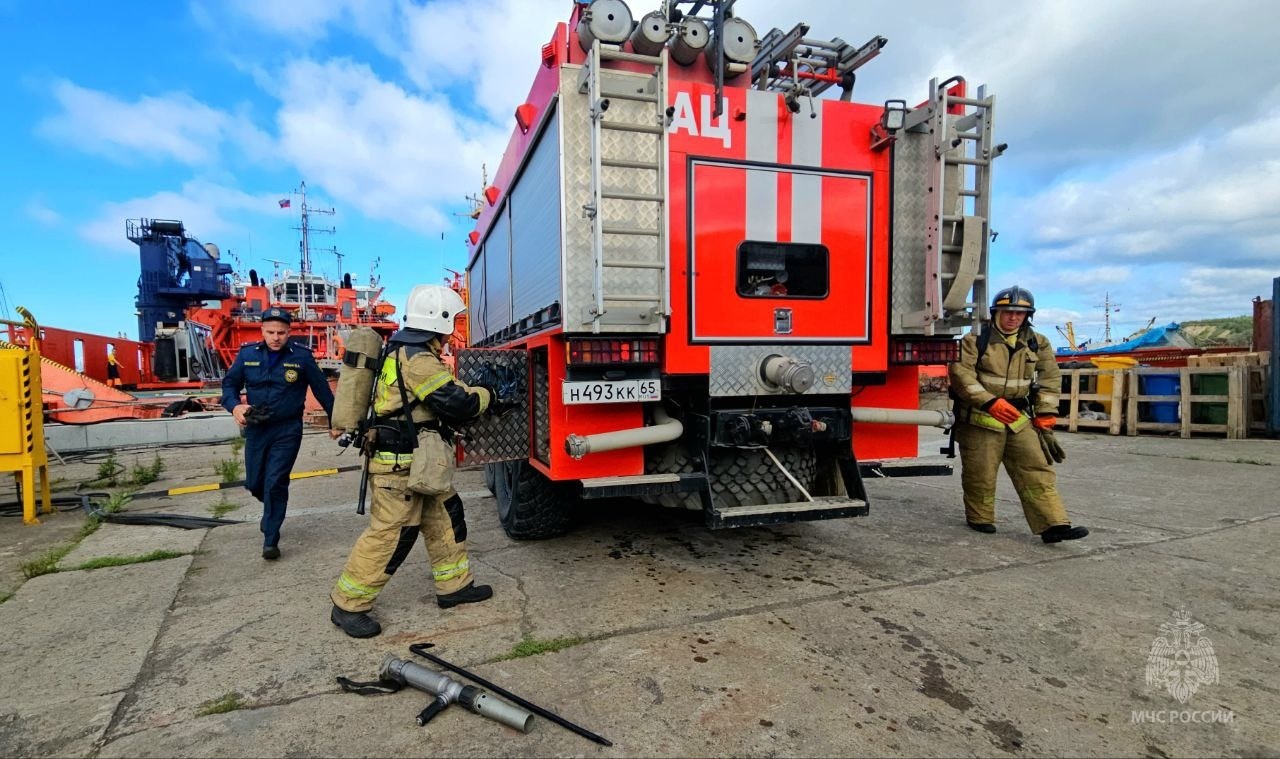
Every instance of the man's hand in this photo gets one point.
(1046, 421)
(1004, 411)
(335, 434)
(238, 413)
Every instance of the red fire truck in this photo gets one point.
(709, 286)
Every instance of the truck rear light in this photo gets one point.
(925, 351)
(605, 351)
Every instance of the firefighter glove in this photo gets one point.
(1046, 421)
(1053, 452)
(1004, 411)
(257, 415)
(498, 405)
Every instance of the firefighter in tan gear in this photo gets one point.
(996, 381)
(413, 372)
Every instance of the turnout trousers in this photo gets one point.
(396, 518)
(269, 452)
(983, 450)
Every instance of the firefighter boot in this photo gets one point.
(1061, 532)
(270, 553)
(469, 595)
(982, 527)
(357, 624)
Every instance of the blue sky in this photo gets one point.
(1144, 159)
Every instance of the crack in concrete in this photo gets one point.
(148, 661)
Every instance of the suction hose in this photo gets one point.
(663, 430)
(919, 417)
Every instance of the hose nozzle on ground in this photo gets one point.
(448, 691)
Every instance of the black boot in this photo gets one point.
(982, 527)
(270, 553)
(1061, 532)
(357, 624)
(471, 594)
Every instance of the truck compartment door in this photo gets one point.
(778, 254)
(490, 438)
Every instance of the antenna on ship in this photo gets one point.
(1107, 306)
(305, 243)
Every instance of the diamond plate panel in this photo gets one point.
(735, 369)
(491, 439)
(579, 279)
(911, 159)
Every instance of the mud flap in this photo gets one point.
(491, 439)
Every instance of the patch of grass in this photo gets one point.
(47, 562)
(228, 469)
(144, 474)
(5, 597)
(229, 702)
(120, 561)
(109, 470)
(89, 527)
(223, 507)
(237, 445)
(118, 500)
(531, 647)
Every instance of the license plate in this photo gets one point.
(618, 391)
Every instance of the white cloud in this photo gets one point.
(174, 127)
(377, 148)
(41, 213)
(210, 212)
(488, 50)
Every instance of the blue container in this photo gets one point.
(1161, 384)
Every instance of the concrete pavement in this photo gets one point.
(898, 634)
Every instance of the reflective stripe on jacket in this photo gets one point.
(1005, 371)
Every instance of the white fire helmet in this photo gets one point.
(433, 307)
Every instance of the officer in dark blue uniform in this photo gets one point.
(276, 374)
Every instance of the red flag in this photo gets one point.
(284, 203)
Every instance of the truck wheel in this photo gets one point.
(530, 506)
(739, 476)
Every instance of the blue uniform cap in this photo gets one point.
(278, 314)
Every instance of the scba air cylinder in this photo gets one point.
(360, 364)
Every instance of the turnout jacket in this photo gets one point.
(280, 386)
(1005, 371)
(429, 385)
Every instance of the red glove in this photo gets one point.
(1004, 411)
(1046, 421)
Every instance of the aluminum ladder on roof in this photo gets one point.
(628, 208)
(957, 243)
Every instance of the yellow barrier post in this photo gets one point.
(22, 419)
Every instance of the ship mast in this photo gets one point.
(304, 246)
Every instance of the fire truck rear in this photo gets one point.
(708, 286)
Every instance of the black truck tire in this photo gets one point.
(739, 476)
(530, 506)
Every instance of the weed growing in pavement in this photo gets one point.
(228, 469)
(223, 507)
(227, 703)
(109, 470)
(5, 597)
(89, 527)
(146, 474)
(120, 561)
(237, 445)
(47, 562)
(531, 647)
(118, 500)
